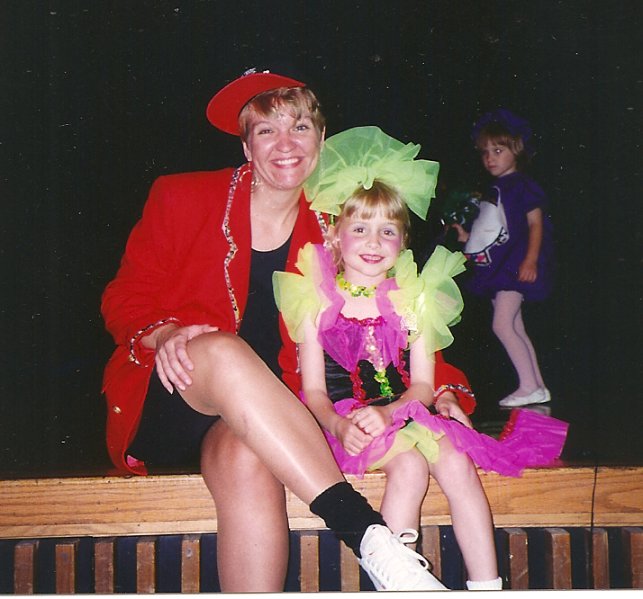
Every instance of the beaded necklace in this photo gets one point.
(355, 290)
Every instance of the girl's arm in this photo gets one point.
(311, 360)
(528, 270)
(422, 372)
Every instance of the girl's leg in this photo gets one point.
(522, 333)
(252, 537)
(507, 305)
(407, 480)
(470, 512)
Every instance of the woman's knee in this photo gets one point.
(211, 347)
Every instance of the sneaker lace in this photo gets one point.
(402, 554)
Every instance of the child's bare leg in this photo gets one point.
(407, 480)
(507, 305)
(251, 515)
(470, 513)
(229, 379)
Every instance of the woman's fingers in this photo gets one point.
(172, 359)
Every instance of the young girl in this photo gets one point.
(511, 247)
(367, 327)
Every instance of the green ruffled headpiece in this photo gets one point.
(356, 157)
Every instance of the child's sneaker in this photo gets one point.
(391, 565)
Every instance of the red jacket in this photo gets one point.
(174, 266)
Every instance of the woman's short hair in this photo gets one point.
(365, 203)
(298, 101)
(498, 134)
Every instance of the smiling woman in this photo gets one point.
(200, 358)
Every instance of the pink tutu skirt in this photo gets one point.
(528, 440)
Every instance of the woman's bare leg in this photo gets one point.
(229, 379)
(252, 538)
(407, 480)
(470, 512)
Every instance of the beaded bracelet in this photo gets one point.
(138, 334)
(442, 389)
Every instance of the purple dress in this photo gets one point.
(499, 237)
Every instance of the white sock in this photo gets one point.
(485, 585)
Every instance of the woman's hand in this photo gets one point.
(448, 406)
(353, 439)
(172, 360)
(373, 420)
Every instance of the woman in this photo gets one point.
(191, 311)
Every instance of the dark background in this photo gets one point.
(99, 98)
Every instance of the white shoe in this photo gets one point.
(540, 395)
(391, 565)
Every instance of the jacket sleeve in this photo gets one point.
(131, 303)
(450, 378)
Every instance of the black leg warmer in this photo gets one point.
(346, 512)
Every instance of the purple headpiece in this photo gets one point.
(517, 126)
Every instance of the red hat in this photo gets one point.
(224, 108)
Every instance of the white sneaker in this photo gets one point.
(392, 566)
(540, 395)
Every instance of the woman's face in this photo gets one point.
(283, 149)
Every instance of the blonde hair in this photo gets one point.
(366, 203)
(298, 101)
(498, 134)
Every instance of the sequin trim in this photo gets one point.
(144, 330)
(225, 228)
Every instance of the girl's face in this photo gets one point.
(497, 159)
(283, 149)
(369, 247)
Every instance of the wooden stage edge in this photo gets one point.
(99, 506)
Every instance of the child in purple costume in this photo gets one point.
(511, 245)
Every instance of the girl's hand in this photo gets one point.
(528, 271)
(449, 407)
(352, 438)
(172, 360)
(463, 236)
(373, 420)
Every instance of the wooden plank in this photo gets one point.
(65, 556)
(146, 565)
(309, 562)
(181, 504)
(24, 567)
(430, 549)
(633, 557)
(104, 566)
(558, 560)
(349, 569)
(516, 558)
(191, 564)
(597, 558)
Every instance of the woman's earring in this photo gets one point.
(256, 181)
